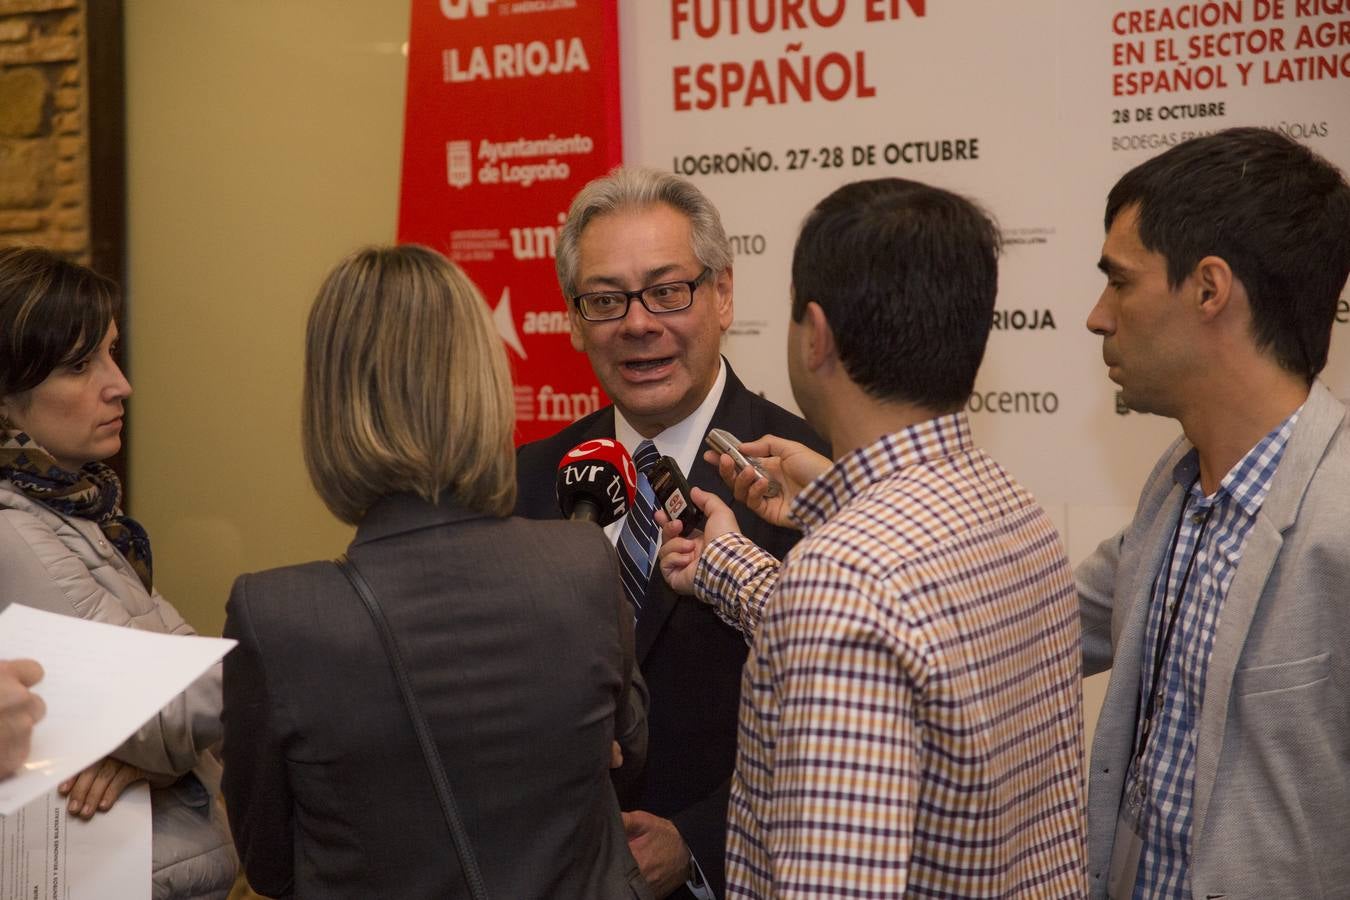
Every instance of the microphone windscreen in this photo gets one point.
(596, 481)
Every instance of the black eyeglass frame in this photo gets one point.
(630, 296)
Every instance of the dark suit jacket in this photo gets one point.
(690, 658)
(519, 649)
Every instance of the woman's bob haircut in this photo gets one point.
(53, 313)
(407, 388)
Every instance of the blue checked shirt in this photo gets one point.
(1163, 777)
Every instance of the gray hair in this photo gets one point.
(636, 188)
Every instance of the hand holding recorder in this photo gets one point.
(766, 474)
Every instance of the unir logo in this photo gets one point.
(538, 242)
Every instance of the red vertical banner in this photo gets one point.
(513, 105)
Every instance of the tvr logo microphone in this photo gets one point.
(596, 481)
(608, 448)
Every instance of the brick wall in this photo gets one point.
(44, 126)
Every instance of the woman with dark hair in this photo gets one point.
(515, 634)
(67, 547)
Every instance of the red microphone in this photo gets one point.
(596, 481)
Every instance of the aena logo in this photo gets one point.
(459, 9)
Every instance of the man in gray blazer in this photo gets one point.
(1221, 764)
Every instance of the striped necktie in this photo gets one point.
(637, 541)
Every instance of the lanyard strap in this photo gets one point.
(1162, 644)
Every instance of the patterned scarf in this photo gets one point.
(93, 493)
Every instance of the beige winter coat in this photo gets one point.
(63, 564)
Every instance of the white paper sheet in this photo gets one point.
(102, 683)
(47, 855)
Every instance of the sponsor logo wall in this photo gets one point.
(1032, 108)
(513, 105)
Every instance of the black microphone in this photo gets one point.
(596, 482)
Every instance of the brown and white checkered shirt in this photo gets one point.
(911, 719)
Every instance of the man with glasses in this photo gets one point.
(646, 269)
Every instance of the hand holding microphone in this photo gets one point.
(679, 553)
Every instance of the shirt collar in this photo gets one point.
(680, 441)
(856, 471)
(683, 440)
(1249, 480)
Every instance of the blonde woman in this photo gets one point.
(515, 635)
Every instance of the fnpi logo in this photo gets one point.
(551, 406)
(459, 9)
(459, 163)
(524, 403)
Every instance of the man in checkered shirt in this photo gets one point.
(910, 709)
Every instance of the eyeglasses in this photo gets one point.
(667, 297)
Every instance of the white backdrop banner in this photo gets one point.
(1033, 109)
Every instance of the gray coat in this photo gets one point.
(63, 564)
(1272, 780)
(518, 644)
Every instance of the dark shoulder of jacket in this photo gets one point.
(537, 466)
(568, 556)
(748, 410)
(794, 427)
(277, 586)
(571, 537)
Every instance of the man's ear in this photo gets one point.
(820, 347)
(722, 284)
(1215, 285)
(574, 326)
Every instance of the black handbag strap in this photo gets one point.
(467, 861)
